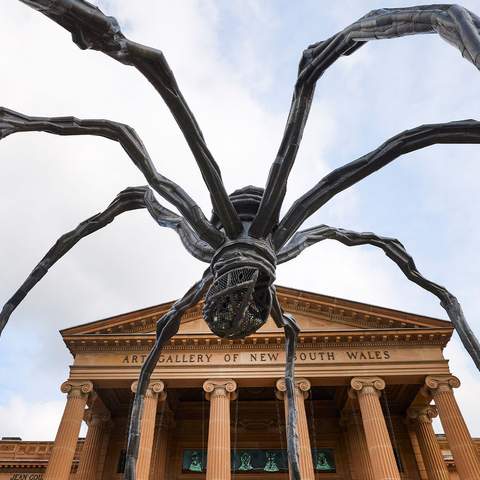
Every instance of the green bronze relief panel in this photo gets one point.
(250, 460)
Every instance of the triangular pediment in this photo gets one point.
(305, 322)
(313, 312)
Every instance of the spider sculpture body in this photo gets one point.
(245, 239)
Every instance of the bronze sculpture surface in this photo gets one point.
(245, 238)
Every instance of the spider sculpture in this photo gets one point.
(245, 238)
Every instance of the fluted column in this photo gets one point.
(421, 417)
(147, 427)
(456, 431)
(368, 390)
(97, 421)
(160, 443)
(357, 445)
(302, 387)
(63, 451)
(219, 392)
(422, 471)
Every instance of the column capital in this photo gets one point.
(441, 383)
(220, 387)
(77, 388)
(96, 417)
(302, 387)
(423, 414)
(156, 388)
(364, 385)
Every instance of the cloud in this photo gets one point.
(31, 420)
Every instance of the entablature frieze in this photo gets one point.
(266, 362)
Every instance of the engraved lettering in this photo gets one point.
(259, 357)
(27, 476)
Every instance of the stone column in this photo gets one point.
(378, 440)
(456, 431)
(97, 421)
(357, 445)
(422, 471)
(219, 392)
(421, 417)
(147, 426)
(302, 387)
(63, 451)
(160, 443)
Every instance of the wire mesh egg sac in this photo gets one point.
(225, 298)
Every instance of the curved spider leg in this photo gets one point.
(13, 122)
(92, 29)
(198, 248)
(453, 23)
(167, 327)
(132, 198)
(395, 251)
(464, 131)
(288, 323)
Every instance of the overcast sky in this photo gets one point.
(236, 63)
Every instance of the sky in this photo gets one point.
(236, 63)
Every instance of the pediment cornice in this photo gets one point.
(315, 306)
(406, 337)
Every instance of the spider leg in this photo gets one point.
(288, 323)
(132, 198)
(92, 29)
(395, 251)
(453, 23)
(13, 122)
(167, 327)
(463, 131)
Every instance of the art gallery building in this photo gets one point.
(369, 380)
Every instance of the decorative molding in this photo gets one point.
(318, 306)
(302, 387)
(154, 389)
(269, 341)
(93, 417)
(76, 388)
(441, 383)
(220, 387)
(367, 385)
(422, 414)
